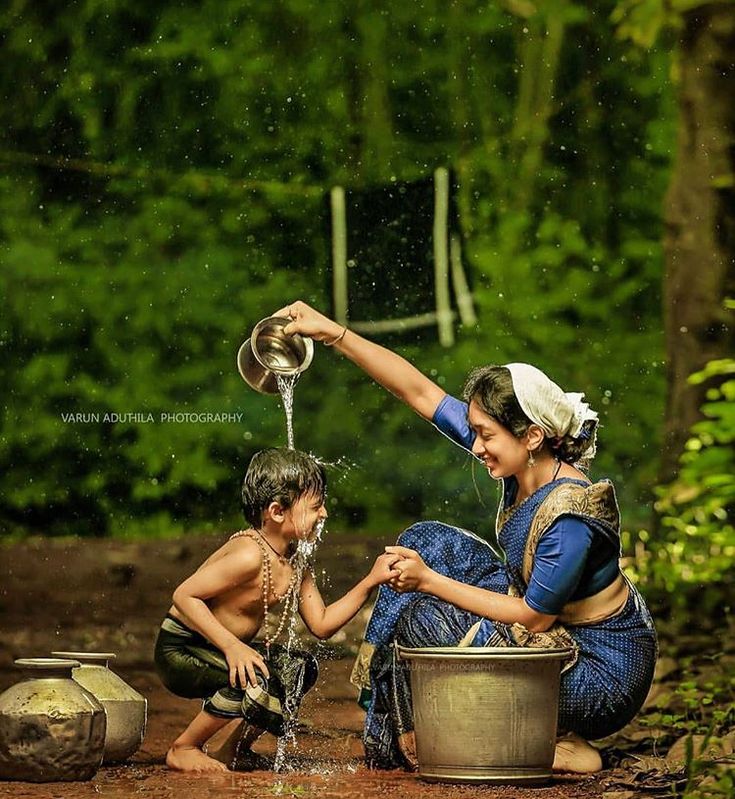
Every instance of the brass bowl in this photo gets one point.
(270, 352)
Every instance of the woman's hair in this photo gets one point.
(570, 449)
(492, 389)
(282, 476)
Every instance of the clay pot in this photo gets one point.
(51, 729)
(126, 709)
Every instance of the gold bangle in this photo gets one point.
(337, 340)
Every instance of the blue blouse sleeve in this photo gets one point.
(450, 418)
(560, 560)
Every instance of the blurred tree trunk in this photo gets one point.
(377, 123)
(699, 239)
(539, 56)
(459, 45)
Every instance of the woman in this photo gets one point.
(557, 582)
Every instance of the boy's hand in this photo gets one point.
(410, 572)
(242, 661)
(382, 570)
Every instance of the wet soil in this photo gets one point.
(110, 596)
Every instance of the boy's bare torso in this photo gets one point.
(240, 609)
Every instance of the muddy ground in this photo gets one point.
(110, 596)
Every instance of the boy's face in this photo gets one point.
(306, 515)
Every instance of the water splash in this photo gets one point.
(302, 563)
(286, 385)
(289, 706)
(306, 547)
(290, 717)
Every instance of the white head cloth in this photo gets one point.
(557, 413)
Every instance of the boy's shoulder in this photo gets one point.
(241, 546)
(242, 540)
(243, 536)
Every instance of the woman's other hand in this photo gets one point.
(412, 573)
(309, 322)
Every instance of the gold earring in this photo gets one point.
(531, 459)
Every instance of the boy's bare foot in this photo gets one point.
(573, 753)
(407, 746)
(189, 758)
(226, 752)
(240, 739)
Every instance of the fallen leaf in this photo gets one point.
(650, 763)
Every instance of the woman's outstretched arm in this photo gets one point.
(386, 367)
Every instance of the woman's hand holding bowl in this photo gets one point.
(412, 573)
(308, 322)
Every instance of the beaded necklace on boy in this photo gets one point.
(281, 557)
(289, 594)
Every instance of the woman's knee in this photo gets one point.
(425, 622)
(423, 532)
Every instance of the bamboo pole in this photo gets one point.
(340, 289)
(398, 325)
(465, 305)
(441, 257)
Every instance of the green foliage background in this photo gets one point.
(695, 550)
(164, 173)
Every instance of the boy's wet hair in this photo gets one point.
(280, 475)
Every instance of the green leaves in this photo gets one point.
(697, 548)
(166, 167)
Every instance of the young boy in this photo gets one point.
(205, 645)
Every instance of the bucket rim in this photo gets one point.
(480, 653)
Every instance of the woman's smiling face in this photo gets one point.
(502, 453)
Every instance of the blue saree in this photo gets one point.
(603, 687)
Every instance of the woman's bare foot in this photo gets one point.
(573, 753)
(189, 758)
(407, 746)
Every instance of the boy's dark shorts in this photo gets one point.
(191, 667)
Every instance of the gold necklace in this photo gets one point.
(290, 594)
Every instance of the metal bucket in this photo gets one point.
(270, 352)
(485, 715)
